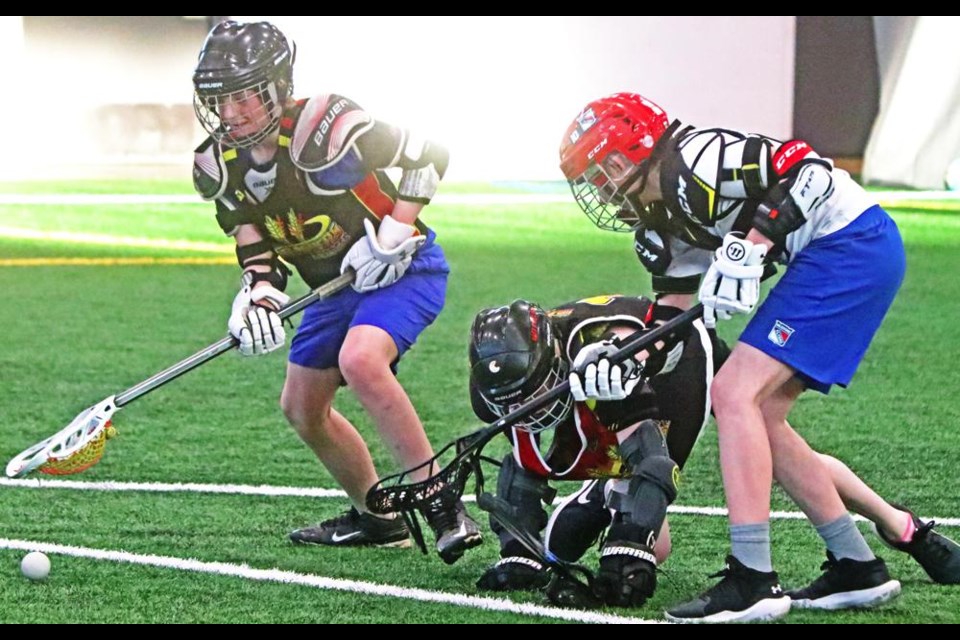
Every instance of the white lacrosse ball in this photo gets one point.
(35, 565)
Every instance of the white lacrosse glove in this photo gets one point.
(602, 380)
(381, 258)
(732, 284)
(254, 324)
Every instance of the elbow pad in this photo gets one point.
(789, 203)
(424, 163)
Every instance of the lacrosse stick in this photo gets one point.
(447, 485)
(571, 584)
(80, 444)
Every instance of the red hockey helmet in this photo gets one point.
(603, 153)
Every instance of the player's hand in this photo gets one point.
(732, 284)
(595, 377)
(254, 321)
(380, 259)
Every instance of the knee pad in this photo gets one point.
(647, 441)
(526, 493)
(659, 471)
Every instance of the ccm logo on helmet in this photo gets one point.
(596, 149)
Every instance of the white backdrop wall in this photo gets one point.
(500, 91)
(916, 135)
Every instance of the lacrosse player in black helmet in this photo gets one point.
(303, 182)
(625, 430)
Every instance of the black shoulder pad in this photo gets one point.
(326, 129)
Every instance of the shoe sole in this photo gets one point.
(453, 553)
(397, 544)
(862, 599)
(765, 610)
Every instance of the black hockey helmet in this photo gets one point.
(240, 61)
(515, 357)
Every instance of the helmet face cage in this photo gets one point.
(601, 192)
(549, 416)
(243, 118)
(242, 80)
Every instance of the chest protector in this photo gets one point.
(310, 230)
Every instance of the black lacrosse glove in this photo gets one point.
(514, 573)
(628, 574)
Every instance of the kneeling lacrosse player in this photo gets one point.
(608, 432)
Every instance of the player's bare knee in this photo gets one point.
(727, 397)
(357, 365)
(306, 420)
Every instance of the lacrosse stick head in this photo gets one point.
(398, 494)
(73, 449)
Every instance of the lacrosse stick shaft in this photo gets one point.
(226, 344)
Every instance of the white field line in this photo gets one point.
(310, 492)
(885, 197)
(225, 247)
(320, 582)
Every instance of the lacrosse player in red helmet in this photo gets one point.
(303, 182)
(711, 211)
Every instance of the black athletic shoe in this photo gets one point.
(355, 529)
(937, 554)
(455, 530)
(743, 595)
(847, 584)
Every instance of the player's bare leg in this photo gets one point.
(365, 364)
(365, 359)
(861, 499)
(307, 403)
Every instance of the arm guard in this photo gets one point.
(424, 164)
(787, 205)
(247, 256)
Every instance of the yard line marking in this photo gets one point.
(103, 239)
(112, 262)
(313, 492)
(320, 582)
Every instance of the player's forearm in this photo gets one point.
(679, 300)
(407, 211)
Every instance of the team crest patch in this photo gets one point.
(780, 334)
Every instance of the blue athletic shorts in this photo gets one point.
(403, 310)
(821, 316)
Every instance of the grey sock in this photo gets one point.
(844, 540)
(751, 545)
